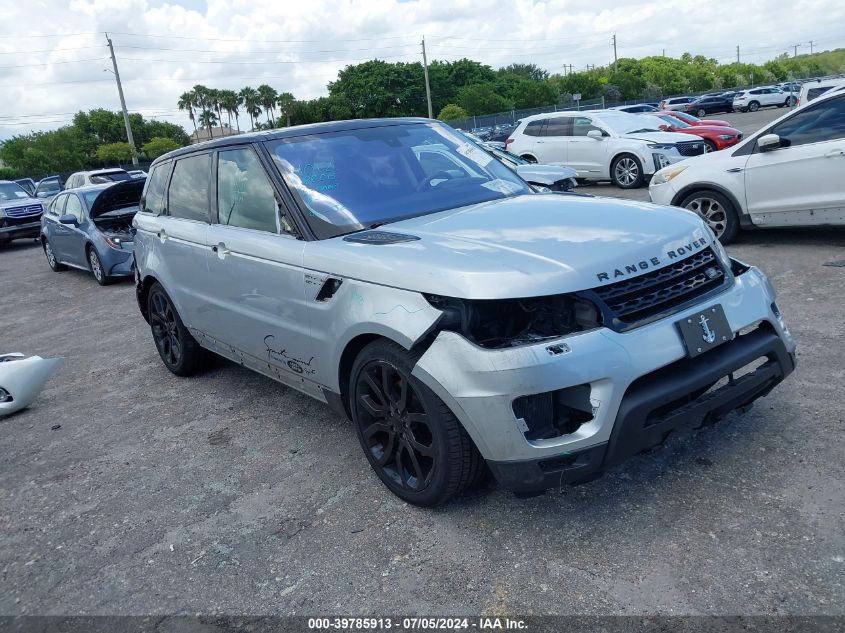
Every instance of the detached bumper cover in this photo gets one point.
(643, 420)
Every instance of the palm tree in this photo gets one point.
(251, 101)
(285, 102)
(208, 119)
(267, 98)
(186, 102)
(214, 103)
(229, 102)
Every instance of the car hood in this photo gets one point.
(711, 129)
(659, 137)
(117, 196)
(712, 123)
(19, 202)
(529, 245)
(545, 174)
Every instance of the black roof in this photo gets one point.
(289, 132)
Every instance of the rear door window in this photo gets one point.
(559, 126)
(187, 197)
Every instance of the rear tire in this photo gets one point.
(701, 114)
(413, 442)
(753, 106)
(717, 212)
(626, 171)
(178, 349)
(54, 264)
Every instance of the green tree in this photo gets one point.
(114, 152)
(482, 99)
(526, 71)
(452, 112)
(285, 102)
(159, 146)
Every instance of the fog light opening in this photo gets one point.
(552, 414)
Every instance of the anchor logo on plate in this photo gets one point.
(708, 335)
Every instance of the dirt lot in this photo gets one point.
(228, 493)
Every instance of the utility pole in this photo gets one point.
(123, 104)
(737, 53)
(811, 47)
(795, 50)
(614, 53)
(427, 86)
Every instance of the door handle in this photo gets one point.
(162, 234)
(540, 142)
(221, 250)
(835, 153)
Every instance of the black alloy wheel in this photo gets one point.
(179, 351)
(413, 441)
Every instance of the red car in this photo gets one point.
(689, 119)
(715, 137)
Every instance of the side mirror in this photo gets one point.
(595, 134)
(67, 218)
(665, 127)
(768, 142)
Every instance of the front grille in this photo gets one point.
(633, 302)
(690, 148)
(20, 212)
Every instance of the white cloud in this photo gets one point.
(322, 36)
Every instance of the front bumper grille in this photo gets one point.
(690, 148)
(23, 211)
(10, 222)
(637, 301)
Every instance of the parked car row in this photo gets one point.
(602, 144)
(789, 173)
(21, 218)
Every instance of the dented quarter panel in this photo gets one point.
(359, 308)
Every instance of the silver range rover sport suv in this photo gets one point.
(466, 324)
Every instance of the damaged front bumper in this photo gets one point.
(21, 380)
(631, 389)
(19, 231)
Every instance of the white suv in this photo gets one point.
(756, 98)
(602, 144)
(787, 174)
(96, 177)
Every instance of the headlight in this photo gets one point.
(726, 137)
(667, 174)
(113, 242)
(660, 146)
(502, 323)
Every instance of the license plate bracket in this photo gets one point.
(705, 330)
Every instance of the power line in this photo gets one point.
(69, 61)
(222, 39)
(49, 50)
(205, 50)
(250, 63)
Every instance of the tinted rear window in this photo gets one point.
(189, 186)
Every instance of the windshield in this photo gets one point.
(683, 116)
(110, 176)
(624, 123)
(12, 191)
(356, 179)
(673, 121)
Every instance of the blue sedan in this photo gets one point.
(90, 228)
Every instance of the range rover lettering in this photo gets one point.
(462, 321)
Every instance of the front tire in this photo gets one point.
(717, 211)
(413, 442)
(97, 267)
(709, 146)
(626, 172)
(54, 264)
(178, 349)
(701, 113)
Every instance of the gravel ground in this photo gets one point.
(228, 493)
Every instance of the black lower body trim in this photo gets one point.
(678, 396)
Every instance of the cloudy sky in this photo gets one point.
(53, 58)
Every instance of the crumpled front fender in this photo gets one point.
(21, 380)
